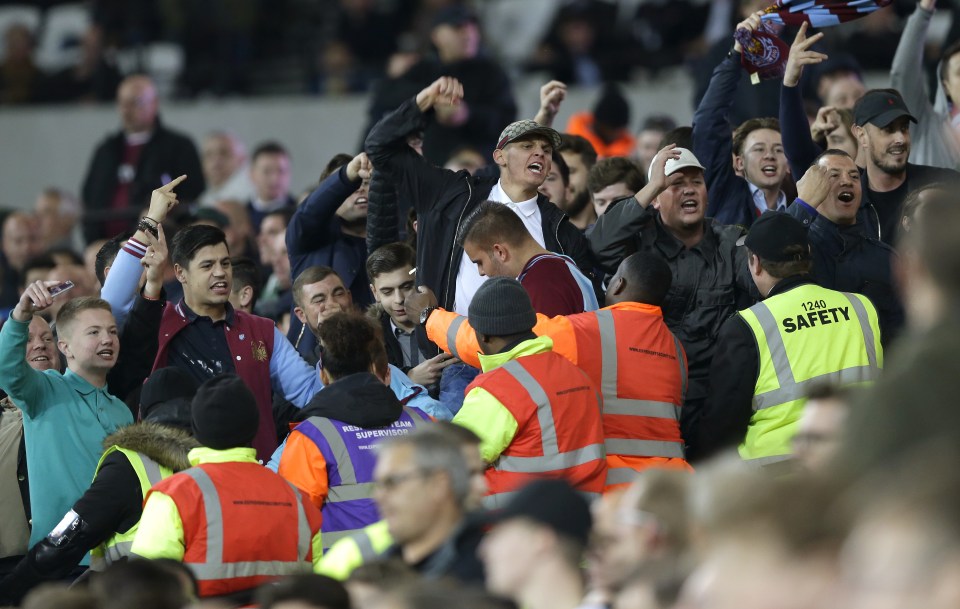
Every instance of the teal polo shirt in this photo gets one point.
(65, 420)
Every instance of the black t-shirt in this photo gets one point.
(888, 206)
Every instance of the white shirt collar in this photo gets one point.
(528, 208)
(760, 201)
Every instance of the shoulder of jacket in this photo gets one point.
(165, 445)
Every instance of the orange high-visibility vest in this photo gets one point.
(581, 123)
(631, 356)
(243, 525)
(559, 425)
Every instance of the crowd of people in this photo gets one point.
(488, 363)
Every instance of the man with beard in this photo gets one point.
(846, 257)
(882, 126)
(580, 157)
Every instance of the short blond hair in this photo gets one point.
(73, 307)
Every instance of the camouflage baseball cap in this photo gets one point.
(519, 129)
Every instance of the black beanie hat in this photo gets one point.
(501, 307)
(225, 413)
(165, 397)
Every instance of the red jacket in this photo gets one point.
(243, 525)
(559, 427)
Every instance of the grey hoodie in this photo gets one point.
(932, 139)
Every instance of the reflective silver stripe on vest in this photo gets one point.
(682, 360)
(452, 335)
(348, 489)
(304, 538)
(339, 448)
(213, 566)
(365, 545)
(499, 500)
(111, 554)
(332, 537)
(256, 568)
(790, 389)
(120, 550)
(552, 458)
(641, 408)
(152, 469)
(621, 475)
(768, 460)
(608, 378)
(644, 448)
(868, 338)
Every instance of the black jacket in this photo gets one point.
(847, 259)
(443, 199)
(167, 155)
(139, 342)
(112, 504)
(486, 89)
(386, 214)
(358, 399)
(733, 379)
(710, 283)
(456, 557)
(884, 220)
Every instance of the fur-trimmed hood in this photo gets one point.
(165, 445)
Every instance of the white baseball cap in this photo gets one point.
(687, 159)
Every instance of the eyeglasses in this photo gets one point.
(390, 483)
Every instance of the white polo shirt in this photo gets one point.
(468, 277)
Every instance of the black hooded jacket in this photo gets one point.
(358, 399)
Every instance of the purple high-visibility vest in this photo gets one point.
(350, 456)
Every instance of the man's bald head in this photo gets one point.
(137, 102)
(642, 277)
(21, 239)
(223, 154)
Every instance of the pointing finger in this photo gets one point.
(169, 186)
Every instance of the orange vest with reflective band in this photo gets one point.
(641, 370)
(631, 356)
(559, 425)
(581, 123)
(243, 525)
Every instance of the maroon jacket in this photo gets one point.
(251, 345)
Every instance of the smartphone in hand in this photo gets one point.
(60, 288)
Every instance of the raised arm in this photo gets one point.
(906, 71)
(616, 232)
(552, 95)
(798, 143)
(712, 142)
(315, 223)
(121, 286)
(26, 386)
(139, 338)
(387, 147)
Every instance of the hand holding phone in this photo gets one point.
(60, 288)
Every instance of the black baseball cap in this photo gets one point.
(454, 15)
(552, 503)
(774, 233)
(880, 107)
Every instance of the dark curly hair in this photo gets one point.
(351, 343)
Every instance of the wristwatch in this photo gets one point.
(425, 315)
